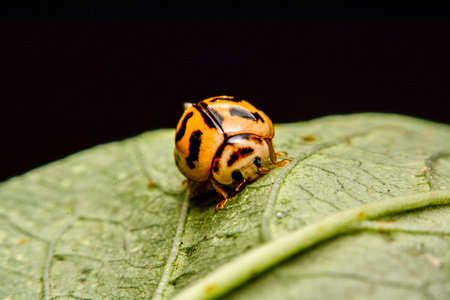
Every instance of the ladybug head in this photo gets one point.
(240, 158)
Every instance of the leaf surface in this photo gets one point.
(113, 222)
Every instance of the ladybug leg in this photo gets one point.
(273, 155)
(284, 162)
(222, 192)
(200, 188)
(281, 154)
(221, 204)
(240, 185)
(263, 170)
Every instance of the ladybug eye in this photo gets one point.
(257, 162)
(237, 175)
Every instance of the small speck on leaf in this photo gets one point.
(309, 138)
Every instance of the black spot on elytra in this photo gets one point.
(233, 158)
(214, 113)
(243, 113)
(220, 150)
(182, 129)
(237, 175)
(195, 141)
(206, 118)
(258, 117)
(216, 166)
(245, 151)
(256, 139)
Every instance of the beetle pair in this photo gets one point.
(224, 141)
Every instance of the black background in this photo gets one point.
(75, 78)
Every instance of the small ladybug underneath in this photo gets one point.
(224, 141)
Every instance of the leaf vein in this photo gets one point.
(381, 226)
(19, 229)
(168, 268)
(429, 169)
(317, 198)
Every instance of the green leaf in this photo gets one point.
(115, 222)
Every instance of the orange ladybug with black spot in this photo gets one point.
(224, 141)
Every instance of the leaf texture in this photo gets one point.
(114, 221)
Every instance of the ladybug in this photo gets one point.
(224, 141)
